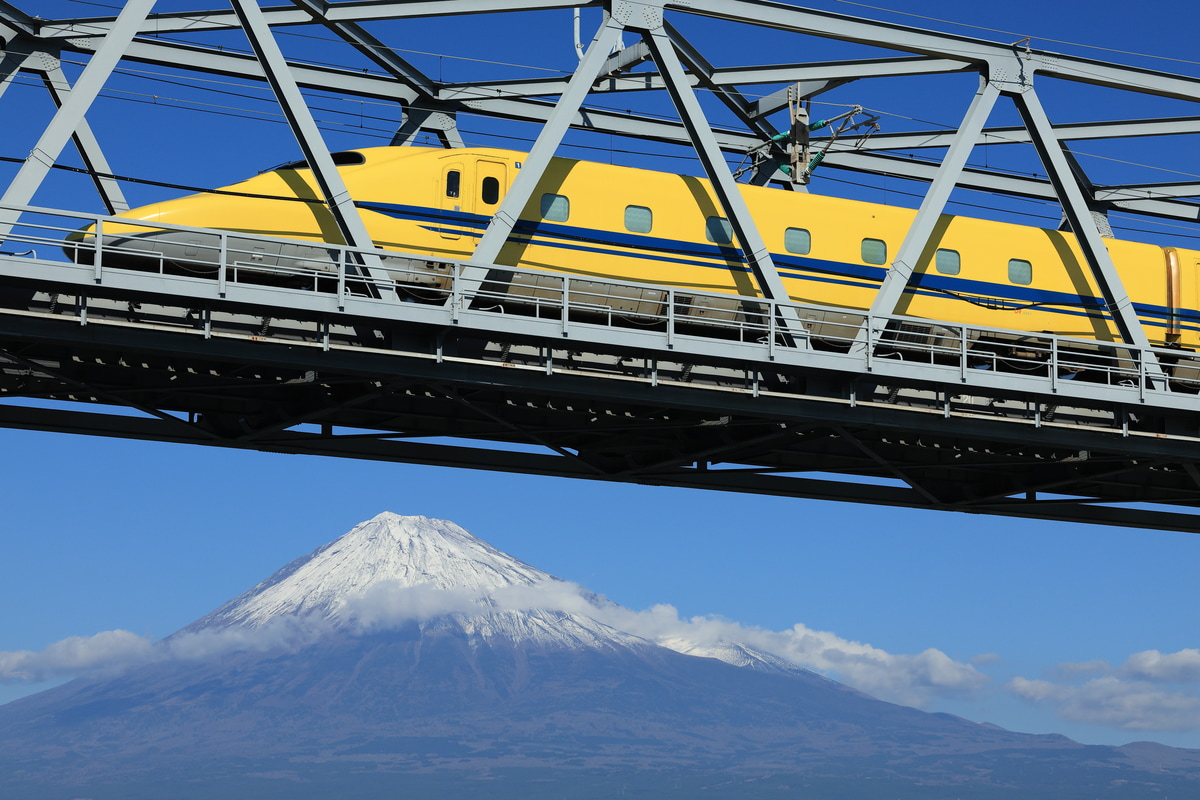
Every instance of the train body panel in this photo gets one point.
(604, 222)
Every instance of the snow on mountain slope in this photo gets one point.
(739, 655)
(405, 551)
(408, 567)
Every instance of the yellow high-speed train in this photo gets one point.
(600, 221)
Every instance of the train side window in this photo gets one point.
(797, 240)
(555, 207)
(489, 192)
(1020, 271)
(638, 219)
(717, 230)
(948, 262)
(453, 183)
(874, 251)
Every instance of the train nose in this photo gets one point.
(144, 245)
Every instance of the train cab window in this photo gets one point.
(453, 183)
(489, 191)
(638, 219)
(345, 158)
(718, 231)
(555, 207)
(1020, 271)
(874, 251)
(797, 240)
(947, 262)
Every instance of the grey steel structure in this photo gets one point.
(342, 367)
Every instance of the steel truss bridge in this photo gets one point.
(878, 408)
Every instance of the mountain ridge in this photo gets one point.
(459, 670)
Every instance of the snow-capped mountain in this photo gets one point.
(395, 568)
(401, 551)
(433, 664)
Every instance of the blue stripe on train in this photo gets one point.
(676, 251)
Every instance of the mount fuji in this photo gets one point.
(410, 656)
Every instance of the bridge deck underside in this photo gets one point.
(207, 372)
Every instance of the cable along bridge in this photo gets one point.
(354, 351)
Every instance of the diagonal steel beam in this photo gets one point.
(1075, 206)
(1065, 484)
(762, 13)
(991, 181)
(113, 396)
(150, 429)
(291, 101)
(1076, 131)
(534, 167)
(420, 119)
(14, 22)
(10, 65)
(886, 464)
(825, 24)
(626, 124)
(530, 436)
(364, 42)
(87, 145)
(724, 452)
(754, 249)
(420, 87)
(70, 115)
(703, 72)
(918, 237)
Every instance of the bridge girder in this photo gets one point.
(864, 450)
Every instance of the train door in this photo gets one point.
(491, 182)
(452, 201)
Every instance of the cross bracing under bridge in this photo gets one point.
(910, 416)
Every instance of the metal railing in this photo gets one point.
(947, 350)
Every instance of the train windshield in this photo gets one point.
(346, 158)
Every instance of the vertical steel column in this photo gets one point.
(300, 119)
(726, 188)
(1075, 206)
(917, 238)
(54, 138)
(87, 145)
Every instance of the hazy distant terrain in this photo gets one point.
(409, 657)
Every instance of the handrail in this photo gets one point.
(325, 267)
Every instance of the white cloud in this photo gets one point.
(283, 633)
(1038, 691)
(106, 651)
(912, 679)
(1151, 665)
(1112, 702)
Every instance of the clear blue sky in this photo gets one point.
(104, 534)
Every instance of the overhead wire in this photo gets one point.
(493, 62)
(384, 133)
(943, 21)
(884, 9)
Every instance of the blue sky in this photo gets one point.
(101, 534)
